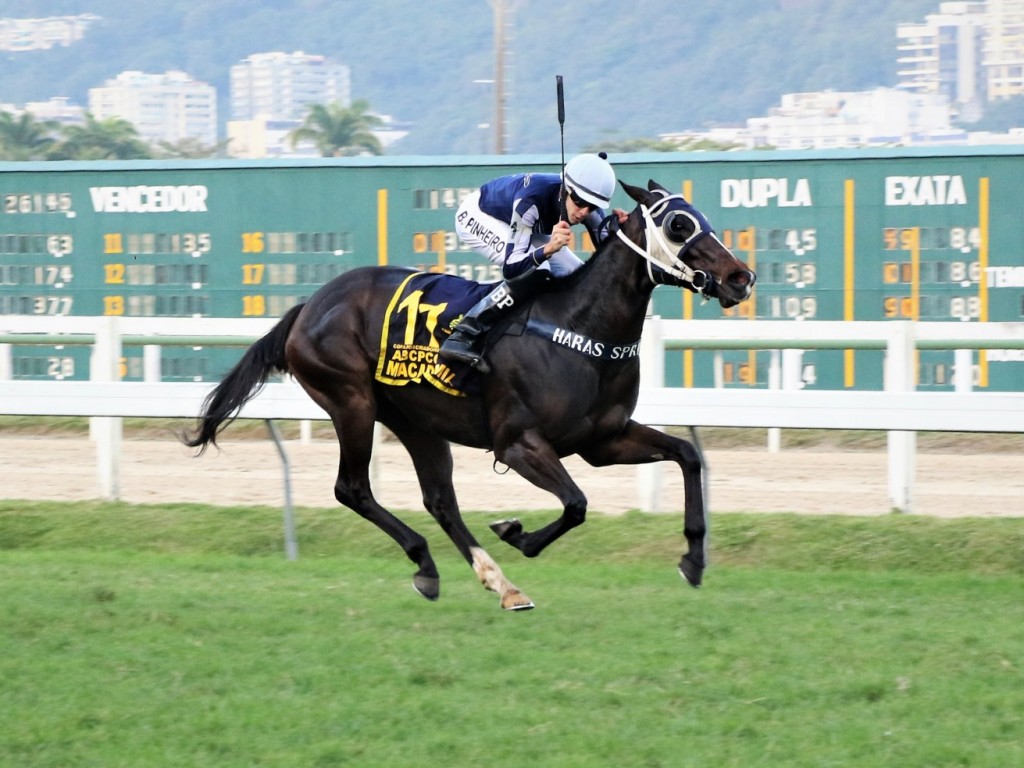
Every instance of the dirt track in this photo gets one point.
(249, 472)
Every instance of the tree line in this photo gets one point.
(335, 131)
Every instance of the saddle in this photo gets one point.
(425, 309)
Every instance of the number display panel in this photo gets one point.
(873, 235)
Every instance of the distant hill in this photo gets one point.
(632, 68)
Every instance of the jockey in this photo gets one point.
(522, 223)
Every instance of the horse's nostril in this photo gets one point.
(742, 279)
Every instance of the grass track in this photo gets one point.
(179, 636)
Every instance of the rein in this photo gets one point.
(663, 254)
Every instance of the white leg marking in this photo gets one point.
(490, 575)
(488, 572)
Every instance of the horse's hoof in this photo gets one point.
(516, 601)
(428, 586)
(690, 572)
(507, 529)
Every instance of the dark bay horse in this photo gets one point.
(566, 384)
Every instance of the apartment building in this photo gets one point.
(19, 35)
(943, 55)
(270, 96)
(163, 107)
(280, 86)
(1003, 56)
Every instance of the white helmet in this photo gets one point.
(590, 178)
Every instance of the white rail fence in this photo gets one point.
(899, 409)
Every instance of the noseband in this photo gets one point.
(666, 251)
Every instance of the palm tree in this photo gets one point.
(339, 131)
(25, 138)
(690, 144)
(189, 148)
(109, 139)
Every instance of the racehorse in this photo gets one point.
(566, 383)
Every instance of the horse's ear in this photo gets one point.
(653, 185)
(639, 194)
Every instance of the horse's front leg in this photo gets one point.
(638, 444)
(533, 457)
(432, 458)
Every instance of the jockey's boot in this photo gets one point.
(466, 342)
(465, 345)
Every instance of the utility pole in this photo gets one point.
(502, 23)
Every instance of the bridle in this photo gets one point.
(667, 241)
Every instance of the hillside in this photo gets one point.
(632, 69)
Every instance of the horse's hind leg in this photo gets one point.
(638, 444)
(325, 356)
(352, 488)
(432, 458)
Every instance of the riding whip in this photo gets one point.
(561, 131)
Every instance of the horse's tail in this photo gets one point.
(242, 383)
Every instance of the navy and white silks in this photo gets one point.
(510, 218)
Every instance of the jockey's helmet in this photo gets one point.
(590, 178)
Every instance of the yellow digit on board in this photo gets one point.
(113, 273)
(113, 305)
(113, 243)
(254, 306)
(252, 274)
(252, 242)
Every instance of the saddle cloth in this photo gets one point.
(422, 313)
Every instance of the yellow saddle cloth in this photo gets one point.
(420, 316)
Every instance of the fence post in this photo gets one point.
(6, 362)
(900, 370)
(105, 365)
(652, 374)
(151, 363)
(291, 543)
(774, 382)
(963, 370)
(785, 371)
(792, 369)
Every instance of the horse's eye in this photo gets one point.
(678, 226)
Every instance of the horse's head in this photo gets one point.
(681, 248)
